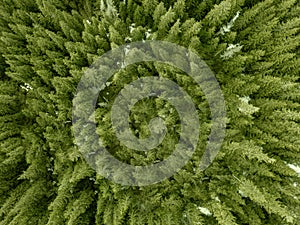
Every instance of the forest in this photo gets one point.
(88, 134)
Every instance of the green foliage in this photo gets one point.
(251, 46)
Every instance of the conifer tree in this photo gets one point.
(252, 47)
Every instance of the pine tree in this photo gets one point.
(251, 46)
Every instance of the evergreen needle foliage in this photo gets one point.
(251, 45)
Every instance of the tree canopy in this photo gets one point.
(252, 46)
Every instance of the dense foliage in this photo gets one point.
(251, 45)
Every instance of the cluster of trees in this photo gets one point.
(252, 46)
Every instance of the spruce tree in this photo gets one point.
(251, 46)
